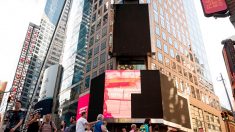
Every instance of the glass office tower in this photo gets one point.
(74, 57)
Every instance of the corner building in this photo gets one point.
(179, 54)
(177, 51)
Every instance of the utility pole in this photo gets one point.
(230, 104)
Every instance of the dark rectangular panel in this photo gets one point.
(148, 104)
(170, 100)
(96, 100)
(131, 36)
(184, 112)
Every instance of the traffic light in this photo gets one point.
(224, 115)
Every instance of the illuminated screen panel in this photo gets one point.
(213, 6)
(119, 85)
(83, 102)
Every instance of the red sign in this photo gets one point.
(119, 85)
(213, 6)
(83, 102)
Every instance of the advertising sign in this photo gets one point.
(119, 85)
(211, 7)
(83, 102)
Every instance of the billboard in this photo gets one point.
(83, 102)
(211, 7)
(122, 95)
(119, 85)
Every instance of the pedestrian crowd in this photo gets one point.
(16, 117)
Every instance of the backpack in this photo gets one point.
(144, 128)
(52, 129)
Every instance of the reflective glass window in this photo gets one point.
(102, 58)
(159, 56)
(95, 62)
(158, 44)
(172, 53)
(157, 31)
(163, 36)
(165, 48)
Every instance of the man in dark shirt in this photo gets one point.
(15, 118)
(72, 127)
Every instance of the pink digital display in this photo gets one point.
(119, 85)
(213, 6)
(83, 102)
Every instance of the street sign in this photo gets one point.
(211, 7)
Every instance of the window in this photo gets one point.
(106, 6)
(90, 53)
(167, 62)
(94, 74)
(157, 31)
(176, 45)
(172, 53)
(87, 81)
(103, 45)
(91, 41)
(163, 36)
(101, 70)
(168, 27)
(159, 56)
(161, 12)
(105, 19)
(170, 40)
(97, 37)
(165, 48)
(162, 21)
(104, 31)
(88, 67)
(155, 6)
(94, 17)
(156, 16)
(92, 29)
(98, 25)
(95, 62)
(96, 50)
(159, 45)
(102, 58)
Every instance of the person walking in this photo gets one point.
(15, 118)
(82, 123)
(63, 126)
(72, 127)
(34, 123)
(48, 125)
(133, 128)
(146, 127)
(99, 126)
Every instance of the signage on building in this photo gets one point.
(211, 7)
(83, 102)
(119, 85)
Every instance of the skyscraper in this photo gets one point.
(52, 33)
(26, 69)
(74, 57)
(177, 51)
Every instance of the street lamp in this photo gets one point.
(230, 104)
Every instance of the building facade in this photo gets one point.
(26, 69)
(178, 52)
(52, 34)
(74, 57)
